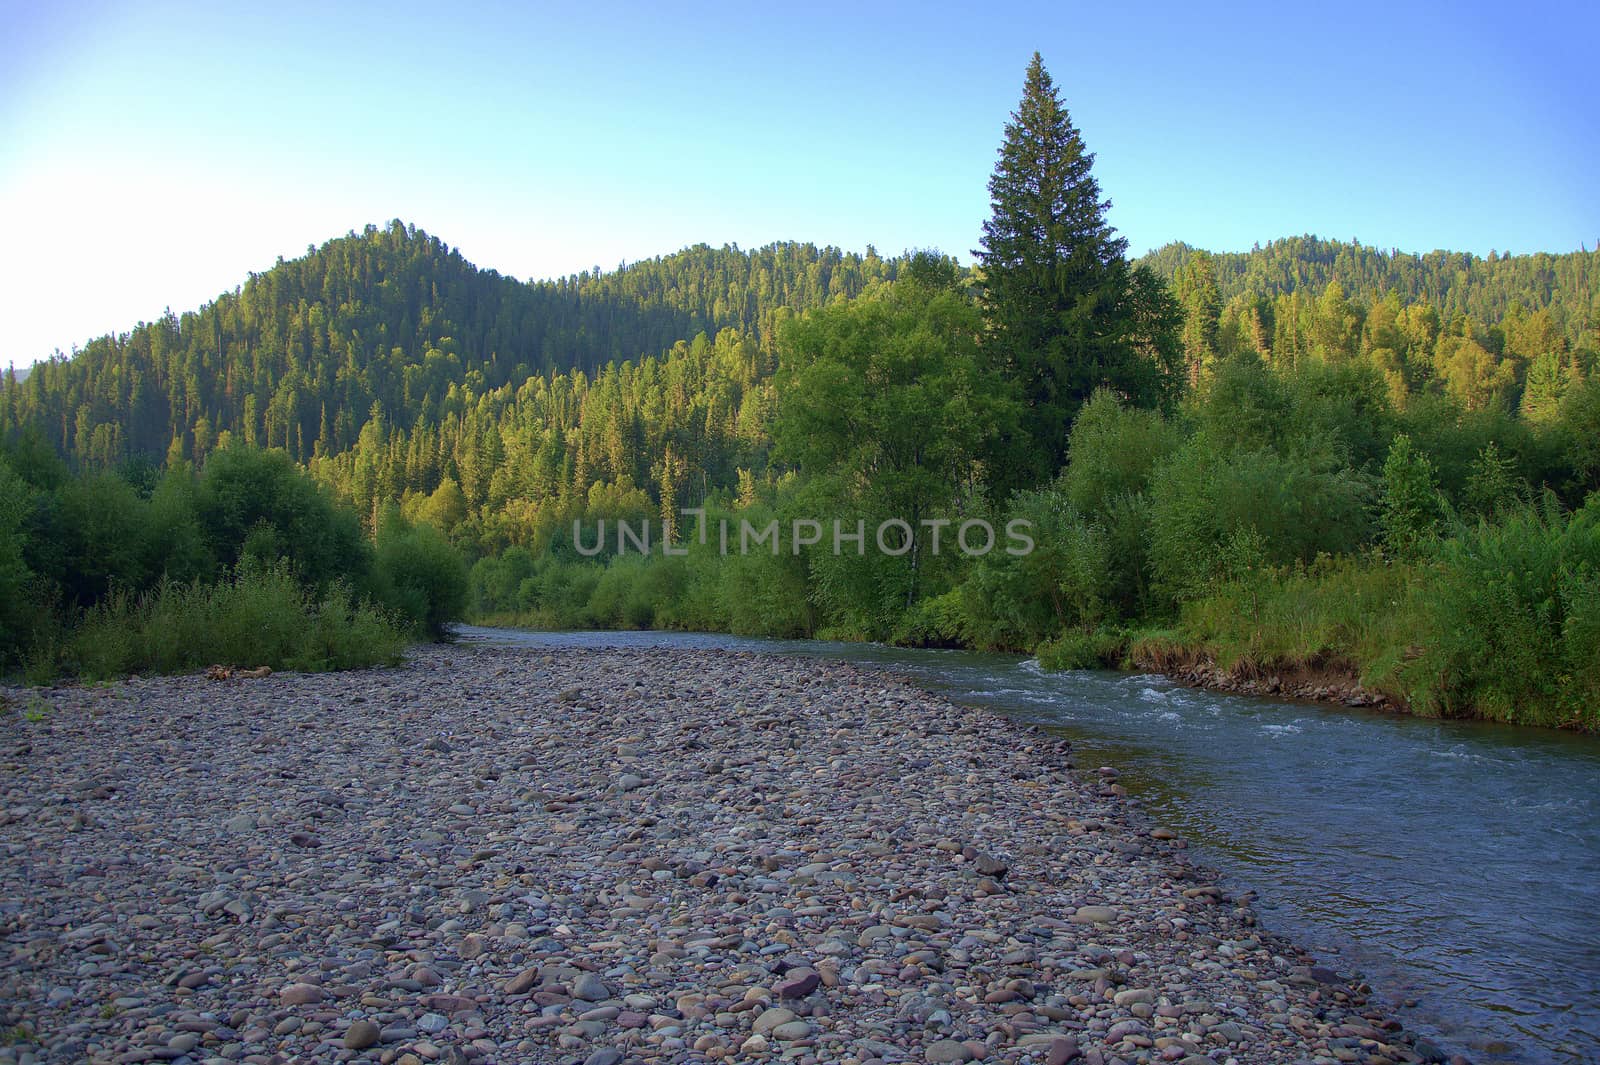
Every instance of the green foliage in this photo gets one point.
(1080, 649)
(1014, 602)
(102, 576)
(1113, 451)
(1512, 614)
(1561, 287)
(765, 595)
(1245, 406)
(15, 503)
(622, 598)
(1493, 485)
(1499, 620)
(419, 576)
(1354, 611)
(937, 621)
(495, 582)
(102, 521)
(1195, 287)
(1412, 506)
(1214, 514)
(1344, 408)
(176, 546)
(259, 504)
(1579, 432)
(1067, 313)
(886, 408)
(259, 617)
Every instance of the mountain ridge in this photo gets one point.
(392, 320)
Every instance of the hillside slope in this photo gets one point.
(299, 355)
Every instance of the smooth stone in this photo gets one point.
(301, 994)
(361, 1034)
(797, 983)
(1063, 1049)
(1094, 914)
(590, 988)
(772, 1018)
(523, 982)
(792, 1030)
(948, 1050)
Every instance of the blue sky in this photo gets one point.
(151, 154)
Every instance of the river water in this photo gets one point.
(1453, 865)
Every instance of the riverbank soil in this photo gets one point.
(604, 856)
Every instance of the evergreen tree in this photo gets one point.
(1412, 506)
(1196, 289)
(1066, 312)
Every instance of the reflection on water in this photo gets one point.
(1455, 864)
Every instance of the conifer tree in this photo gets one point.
(1195, 287)
(1066, 312)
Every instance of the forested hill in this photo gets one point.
(1453, 283)
(298, 356)
(302, 355)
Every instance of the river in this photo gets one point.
(1454, 865)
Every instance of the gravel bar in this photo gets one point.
(590, 856)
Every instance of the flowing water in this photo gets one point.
(1454, 865)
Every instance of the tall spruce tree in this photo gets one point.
(1067, 314)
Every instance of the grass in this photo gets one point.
(260, 617)
(1082, 649)
(1358, 612)
(1500, 622)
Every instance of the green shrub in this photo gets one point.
(261, 504)
(1344, 407)
(622, 597)
(698, 604)
(1210, 511)
(1246, 406)
(1511, 613)
(15, 576)
(765, 596)
(1082, 649)
(1113, 452)
(103, 525)
(1412, 507)
(495, 583)
(1359, 612)
(1453, 439)
(933, 622)
(557, 595)
(176, 545)
(419, 575)
(259, 617)
(1012, 602)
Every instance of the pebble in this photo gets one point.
(301, 994)
(601, 857)
(948, 1050)
(361, 1034)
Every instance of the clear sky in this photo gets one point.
(152, 154)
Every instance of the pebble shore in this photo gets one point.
(599, 857)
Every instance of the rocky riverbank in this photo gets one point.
(1333, 681)
(610, 856)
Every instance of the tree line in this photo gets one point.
(298, 356)
(1309, 453)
